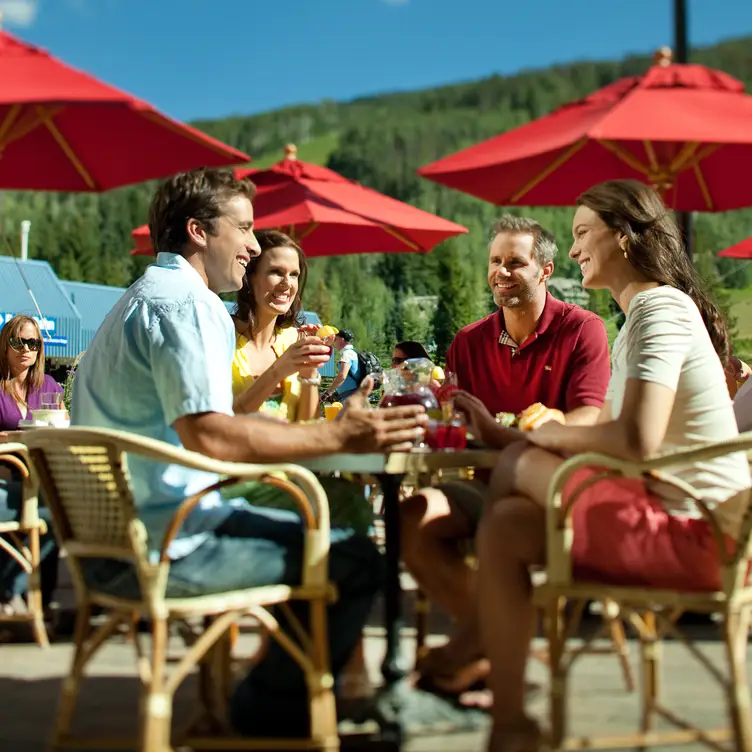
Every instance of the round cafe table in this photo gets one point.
(398, 703)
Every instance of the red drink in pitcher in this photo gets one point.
(411, 398)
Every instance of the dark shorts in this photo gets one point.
(468, 497)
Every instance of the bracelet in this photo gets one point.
(312, 381)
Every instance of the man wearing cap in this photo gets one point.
(348, 379)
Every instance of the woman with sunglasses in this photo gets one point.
(408, 350)
(22, 383)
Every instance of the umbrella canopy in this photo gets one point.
(683, 128)
(331, 215)
(63, 130)
(741, 250)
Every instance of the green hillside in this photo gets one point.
(380, 141)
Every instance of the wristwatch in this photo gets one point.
(311, 381)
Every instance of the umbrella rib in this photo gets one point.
(651, 155)
(396, 234)
(552, 167)
(703, 185)
(308, 230)
(22, 126)
(684, 158)
(165, 122)
(66, 147)
(625, 156)
(8, 122)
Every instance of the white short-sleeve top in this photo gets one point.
(664, 340)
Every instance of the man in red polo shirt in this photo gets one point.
(535, 348)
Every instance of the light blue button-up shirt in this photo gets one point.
(164, 351)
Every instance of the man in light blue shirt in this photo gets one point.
(160, 366)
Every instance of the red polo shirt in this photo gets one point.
(564, 364)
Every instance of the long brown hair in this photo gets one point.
(35, 376)
(245, 310)
(655, 247)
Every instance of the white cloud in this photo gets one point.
(19, 12)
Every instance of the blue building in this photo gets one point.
(71, 311)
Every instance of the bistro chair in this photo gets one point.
(653, 613)
(26, 553)
(84, 475)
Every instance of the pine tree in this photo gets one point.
(458, 302)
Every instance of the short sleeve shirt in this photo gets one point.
(348, 355)
(163, 352)
(664, 341)
(564, 364)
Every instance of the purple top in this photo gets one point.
(10, 415)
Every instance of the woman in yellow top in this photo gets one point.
(276, 362)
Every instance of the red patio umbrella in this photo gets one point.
(331, 215)
(686, 129)
(63, 130)
(742, 250)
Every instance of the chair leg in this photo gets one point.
(621, 647)
(555, 628)
(156, 704)
(71, 684)
(321, 684)
(422, 609)
(34, 598)
(650, 664)
(736, 631)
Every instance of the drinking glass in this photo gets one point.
(448, 434)
(51, 400)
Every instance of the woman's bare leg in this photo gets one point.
(511, 539)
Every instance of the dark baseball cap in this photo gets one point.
(346, 335)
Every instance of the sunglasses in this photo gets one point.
(17, 343)
(397, 361)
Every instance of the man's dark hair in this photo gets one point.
(199, 194)
(346, 335)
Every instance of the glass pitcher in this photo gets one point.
(410, 385)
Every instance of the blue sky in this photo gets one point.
(213, 58)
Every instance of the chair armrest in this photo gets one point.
(558, 513)
(306, 490)
(16, 455)
(307, 493)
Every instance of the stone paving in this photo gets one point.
(30, 678)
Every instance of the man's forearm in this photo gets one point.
(248, 439)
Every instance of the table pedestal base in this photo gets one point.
(401, 711)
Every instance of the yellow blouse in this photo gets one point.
(281, 405)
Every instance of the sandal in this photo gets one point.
(470, 678)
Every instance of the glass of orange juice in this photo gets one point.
(332, 411)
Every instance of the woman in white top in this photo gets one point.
(668, 390)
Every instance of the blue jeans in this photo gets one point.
(13, 579)
(259, 546)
